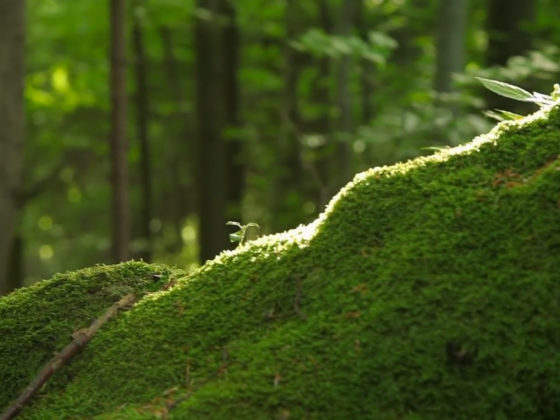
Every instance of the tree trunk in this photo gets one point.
(450, 51)
(142, 117)
(15, 267)
(12, 54)
(507, 37)
(119, 172)
(507, 34)
(177, 156)
(323, 97)
(367, 68)
(287, 185)
(345, 124)
(234, 144)
(212, 186)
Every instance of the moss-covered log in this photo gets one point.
(426, 290)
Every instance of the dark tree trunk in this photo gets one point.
(507, 32)
(285, 206)
(142, 118)
(212, 186)
(323, 96)
(15, 269)
(177, 155)
(234, 144)
(344, 101)
(119, 172)
(450, 50)
(367, 68)
(507, 36)
(12, 54)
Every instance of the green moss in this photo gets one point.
(429, 289)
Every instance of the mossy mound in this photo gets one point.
(427, 290)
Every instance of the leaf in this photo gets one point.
(507, 90)
(236, 237)
(501, 115)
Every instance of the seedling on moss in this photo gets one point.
(241, 235)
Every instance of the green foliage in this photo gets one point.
(391, 71)
(376, 49)
(427, 290)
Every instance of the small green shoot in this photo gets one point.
(241, 235)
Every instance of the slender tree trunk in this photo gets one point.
(345, 123)
(323, 96)
(507, 33)
(234, 145)
(212, 186)
(450, 51)
(178, 154)
(119, 172)
(367, 68)
(286, 209)
(15, 268)
(507, 36)
(142, 118)
(12, 54)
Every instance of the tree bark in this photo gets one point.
(507, 37)
(211, 180)
(15, 266)
(323, 97)
(287, 185)
(367, 68)
(507, 34)
(234, 144)
(344, 101)
(177, 156)
(119, 171)
(450, 50)
(142, 118)
(12, 54)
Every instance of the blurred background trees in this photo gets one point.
(245, 110)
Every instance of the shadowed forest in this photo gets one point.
(138, 129)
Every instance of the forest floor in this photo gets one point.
(426, 290)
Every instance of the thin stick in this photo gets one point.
(80, 339)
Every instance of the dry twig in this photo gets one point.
(80, 339)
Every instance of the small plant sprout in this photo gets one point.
(241, 235)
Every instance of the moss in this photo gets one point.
(428, 289)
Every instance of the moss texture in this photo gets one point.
(426, 290)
